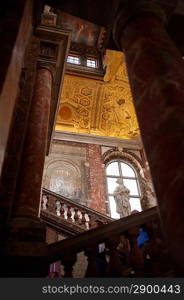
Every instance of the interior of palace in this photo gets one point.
(91, 144)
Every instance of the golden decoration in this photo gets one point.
(99, 107)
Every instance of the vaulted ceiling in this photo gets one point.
(99, 106)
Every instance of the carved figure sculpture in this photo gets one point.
(121, 196)
(47, 9)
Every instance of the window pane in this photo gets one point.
(91, 63)
(131, 184)
(135, 204)
(111, 182)
(127, 171)
(113, 169)
(73, 60)
(112, 204)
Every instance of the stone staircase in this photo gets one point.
(88, 230)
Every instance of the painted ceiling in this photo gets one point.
(99, 107)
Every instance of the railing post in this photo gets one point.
(135, 257)
(68, 262)
(115, 267)
(91, 252)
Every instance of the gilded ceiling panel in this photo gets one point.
(100, 107)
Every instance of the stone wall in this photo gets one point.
(66, 171)
(77, 169)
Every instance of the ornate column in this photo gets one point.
(25, 241)
(29, 189)
(155, 70)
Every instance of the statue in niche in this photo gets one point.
(121, 196)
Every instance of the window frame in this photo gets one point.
(74, 56)
(136, 178)
(83, 61)
(92, 59)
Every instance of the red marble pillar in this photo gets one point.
(29, 188)
(155, 70)
(96, 178)
(24, 246)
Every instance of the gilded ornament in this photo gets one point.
(86, 91)
(84, 101)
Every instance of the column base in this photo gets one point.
(23, 250)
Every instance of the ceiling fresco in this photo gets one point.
(100, 107)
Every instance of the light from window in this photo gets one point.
(91, 63)
(73, 60)
(120, 169)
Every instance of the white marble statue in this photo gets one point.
(121, 196)
(47, 10)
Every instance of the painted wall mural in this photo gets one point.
(64, 178)
(83, 32)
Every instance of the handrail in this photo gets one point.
(99, 235)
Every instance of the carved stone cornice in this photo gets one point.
(161, 9)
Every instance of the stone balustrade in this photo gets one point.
(67, 210)
(113, 249)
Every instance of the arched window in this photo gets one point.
(121, 169)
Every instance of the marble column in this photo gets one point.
(25, 244)
(26, 233)
(29, 189)
(155, 68)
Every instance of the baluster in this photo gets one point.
(52, 204)
(157, 262)
(68, 262)
(116, 268)
(92, 269)
(44, 202)
(69, 214)
(90, 221)
(136, 257)
(76, 216)
(83, 220)
(62, 210)
(58, 207)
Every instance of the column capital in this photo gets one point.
(45, 65)
(131, 9)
